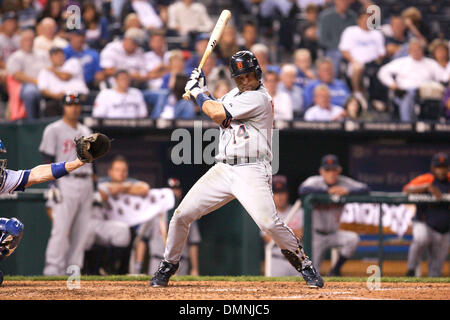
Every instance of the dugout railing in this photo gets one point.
(379, 198)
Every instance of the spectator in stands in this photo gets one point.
(96, 25)
(61, 77)
(200, 47)
(88, 58)
(126, 54)
(280, 267)
(282, 104)
(308, 30)
(227, 45)
(355, 112)
(395, 40)
(417, 28)
(303, 4)
(146, 13)
(287, 84)
(361, 46)
(9, 41)
(325, 218)
(185, 16)
(431, 225)
(28, 14)
(324, 110)
(325, 76)
(221, 88)
(176, 65)
(24, 66)
(249, 34)
(47, 36)
(120, 102)
(405, 75)
(261, 53)
(216, 72)
(209, 66)
(156, 59)
(131, 21)
(172, 105)
(53, 9)
(305, 72)
(331, 24)
(439, 51)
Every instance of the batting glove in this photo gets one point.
(193, 87)
(200, 76)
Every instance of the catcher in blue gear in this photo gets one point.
(11, 231)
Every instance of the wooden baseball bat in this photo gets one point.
(213, 40)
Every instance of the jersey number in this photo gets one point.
(241, 132)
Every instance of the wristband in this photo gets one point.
(59, 169)
(201, 98)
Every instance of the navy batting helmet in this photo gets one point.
(243, 62)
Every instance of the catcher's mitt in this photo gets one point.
(92, 147)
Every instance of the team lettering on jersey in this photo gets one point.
(69, 146)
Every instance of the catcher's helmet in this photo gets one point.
(71, 98)
(243, 62)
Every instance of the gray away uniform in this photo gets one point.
(71, 217)
(246, 175)
(326, 217)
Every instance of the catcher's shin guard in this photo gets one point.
(304, 265)
(162, 276)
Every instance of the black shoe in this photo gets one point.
(311, 276)
(410, 273)
(162, 276)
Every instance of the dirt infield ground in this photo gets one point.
(221, 290)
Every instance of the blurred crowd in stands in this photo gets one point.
(322, 60)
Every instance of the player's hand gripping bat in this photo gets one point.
(213, 40)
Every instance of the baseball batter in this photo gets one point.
(71, 216)
(243, 169)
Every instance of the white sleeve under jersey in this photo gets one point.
(14, 181)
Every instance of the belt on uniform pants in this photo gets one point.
(239, 160)
(324, 233)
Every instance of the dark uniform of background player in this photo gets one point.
(431, 225)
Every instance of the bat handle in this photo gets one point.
(187, 95)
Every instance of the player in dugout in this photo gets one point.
(431, 225)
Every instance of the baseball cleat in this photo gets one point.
(162, 276)
(311, 276)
